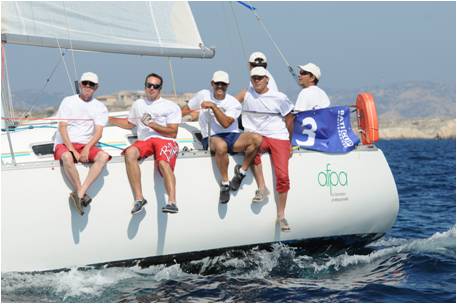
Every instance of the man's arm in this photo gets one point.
(123, 123)
(289, 118)
(224, 120)
(240, 95)
(170, 130)
(66, 139)
(93, 141)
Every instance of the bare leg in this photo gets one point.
(219, 146)
(70, 170)
(258, 175)
(249, 144)
(99, 163)
(282, 199)
(133, 171)
(169, 180)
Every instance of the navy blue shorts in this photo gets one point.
(229, 138)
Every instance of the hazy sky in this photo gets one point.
(356, 44)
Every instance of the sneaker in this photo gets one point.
(85, 201)
(77, 202)
(170, 208)
(138, 206)
(224, 195)
(283, 224)
(260, 195)
(235, 183)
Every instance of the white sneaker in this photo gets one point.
(260, 196)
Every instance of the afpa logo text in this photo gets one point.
(330, 178)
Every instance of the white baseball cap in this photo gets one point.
(221, 76)
(261, 58)
(258, 71)
(312, 68)
(89, 76)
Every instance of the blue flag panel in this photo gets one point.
(326, 130)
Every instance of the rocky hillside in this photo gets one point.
(411, 109)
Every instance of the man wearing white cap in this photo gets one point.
(311, 96)
(258, 59)
(220, 112)
(269, 113)
(82, 120)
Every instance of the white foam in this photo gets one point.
(440, 242)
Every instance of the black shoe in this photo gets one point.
(170, 208)
(77, 202)
(235, 183)
(138, 206)
(85, 201)
(224, 195)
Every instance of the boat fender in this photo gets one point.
(367, 118)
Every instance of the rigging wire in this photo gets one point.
(71, 42)
(239, 32)
(66, 68)
(5, 81)
(48, 79)
(253, 10)
(173, 82)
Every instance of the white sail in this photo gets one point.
(143, 28)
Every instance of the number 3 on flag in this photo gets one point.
(309, 126)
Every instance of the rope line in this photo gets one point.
(89, 119)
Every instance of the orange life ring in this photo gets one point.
(367, 118)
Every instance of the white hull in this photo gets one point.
(42, 231)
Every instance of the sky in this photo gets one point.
(356, 45)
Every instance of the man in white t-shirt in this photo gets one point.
(157, 120)
(80, 128)
(269, 113)
(219, 112)
(311, 96)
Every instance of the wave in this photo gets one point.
(281, 267)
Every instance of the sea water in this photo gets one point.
(413, 262)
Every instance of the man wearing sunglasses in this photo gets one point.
(220, 112)
(269, 113)
(258, 59)
(82, 120)
(157, 120)
(311, 96)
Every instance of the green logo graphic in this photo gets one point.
(330, 178)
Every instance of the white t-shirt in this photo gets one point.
(271, 83)
(311, 98)
(83, 115)
(271, 107)
(229, 105)
(162, 111)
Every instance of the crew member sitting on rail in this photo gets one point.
(268, 113)
(157, 120)
(76, 138)
(222, 111)
(311, 96)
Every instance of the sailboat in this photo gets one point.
(41, 230)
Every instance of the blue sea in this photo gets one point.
(414, 262)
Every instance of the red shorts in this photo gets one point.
(61, 148)
(163, 149)
(280, 152)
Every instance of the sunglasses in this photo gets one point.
(220, 84)
(303, 73)
(153, 85)
(257, 64)
(89, 84)
(257, 78)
